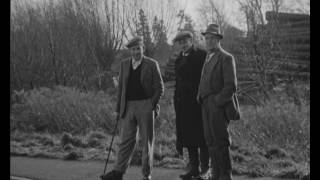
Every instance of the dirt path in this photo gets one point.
(52, 169)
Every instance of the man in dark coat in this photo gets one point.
(189, 128)
(217, 95)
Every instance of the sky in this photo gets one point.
(231, 7)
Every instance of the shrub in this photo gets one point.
(290, 172)
(44, 139)
(94, 142)
(68, 147)
(96, 134)
(275, 152)
(67, 138)
(73, 156)
(62, 109)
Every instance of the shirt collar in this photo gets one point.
(136, 61)
(187, 52)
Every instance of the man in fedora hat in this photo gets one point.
(139, 91)
(189, 128)
(217, 95)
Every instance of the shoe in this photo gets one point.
(146, 178)
(191, 174)
(112, 175)
(206, 174)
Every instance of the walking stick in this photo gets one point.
(114, 134)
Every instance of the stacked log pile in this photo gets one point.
(291, 56)
(294, 33)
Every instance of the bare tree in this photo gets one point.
(71, 43)
(165, 11)
(211, 11)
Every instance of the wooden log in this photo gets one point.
(295, 47)
(293, 34)
(296, 39)
(292, 55)
(274, 72)
(283, 17)
(292, 24)
(297, 31)
(244, 61)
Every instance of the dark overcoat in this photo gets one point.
(189, 128)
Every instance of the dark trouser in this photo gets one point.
(216, 133)
(194, 158)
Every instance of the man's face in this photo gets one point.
(185, 44)
(212, 42)
(136, 52)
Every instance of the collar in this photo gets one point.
(211, 54)
(133, 61)
(188, 51)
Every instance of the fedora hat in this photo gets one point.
(138, 40)
(213, 29)
(183, 35)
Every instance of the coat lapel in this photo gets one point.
(213, 61)
(126, 70)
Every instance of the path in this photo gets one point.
(53, 169)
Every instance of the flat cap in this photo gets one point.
(138, 40)
(183, 35)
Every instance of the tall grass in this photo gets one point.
(270, 140)
(283, 121)
(62, 109)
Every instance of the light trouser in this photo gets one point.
(215, 126)
(139, 115)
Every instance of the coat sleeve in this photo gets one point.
(229, 81)
(157, 84)
(119, 89)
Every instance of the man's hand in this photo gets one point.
(115, 81)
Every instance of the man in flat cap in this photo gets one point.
(217, 95)
(139, 91)
(189, 128)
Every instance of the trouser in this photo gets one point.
(139, 114)
(194, 157)
(215, 125)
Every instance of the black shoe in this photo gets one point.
(146, 178)
(191, 174)
(205, 174)
(112, 175)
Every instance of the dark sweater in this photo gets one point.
(135, 90)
